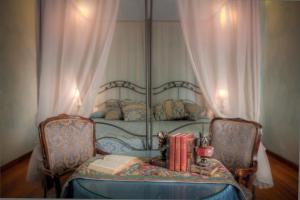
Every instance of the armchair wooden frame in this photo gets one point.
(51, 177)
(245, 176)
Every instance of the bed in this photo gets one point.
(119, 136)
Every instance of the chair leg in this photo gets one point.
(45, 189)
(253, 192)
(57, 186)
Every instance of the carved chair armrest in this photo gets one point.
(243, 175)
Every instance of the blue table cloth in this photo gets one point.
(145, 181)
(97, 189)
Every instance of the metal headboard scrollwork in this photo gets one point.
(122, 84)
(176, 84)
(156, 90)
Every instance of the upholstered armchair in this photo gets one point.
(236, 143)
(66, 141)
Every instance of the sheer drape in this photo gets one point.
(76, 38)
(170, 60)
(223, 40)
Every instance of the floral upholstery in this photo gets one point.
(233, 142)
(68, 142)
(134, 111)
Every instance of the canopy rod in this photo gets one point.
(148, 58)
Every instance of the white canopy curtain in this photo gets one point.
(223, 40)
(76, 36)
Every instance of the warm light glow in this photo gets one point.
(84, 8)
(76, 93)
(222, 93)
(223, 16)
(77, 97)
(233, 17)
(228, 16)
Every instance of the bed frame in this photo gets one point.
(121, 85)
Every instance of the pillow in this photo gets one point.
(159, 113)
(170, 110)
(98, 114)
(125, 102)
(112, 103)
(113, 110)
(193, 110)
(134, 111)
(113, 114)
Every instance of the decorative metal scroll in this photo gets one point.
(156, 90)
(202, 123)
(122, 142)
(122, 84)
(176, 84)
(122, 129)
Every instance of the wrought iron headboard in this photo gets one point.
(176, 84)
(156, 90)
(122, 84)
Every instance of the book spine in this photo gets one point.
(177, 152)
(190, 153)
(171, 155)
(183, 153)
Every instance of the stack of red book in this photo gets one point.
(181, 151)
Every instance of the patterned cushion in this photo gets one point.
(113, 110)
(159, 113)
(69, 143)
(112, 103)
(125, 102)
(113, 114)
(193, 110)
(170, 110)
(134, 111)
(233, 142)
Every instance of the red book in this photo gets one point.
(177, 152)
(184, 151)
(171, 156)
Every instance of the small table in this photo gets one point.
(145, 181)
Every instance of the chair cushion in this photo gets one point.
(69, 142)
(233, 142)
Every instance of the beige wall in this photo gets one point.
(281, 78)
(18, 80)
